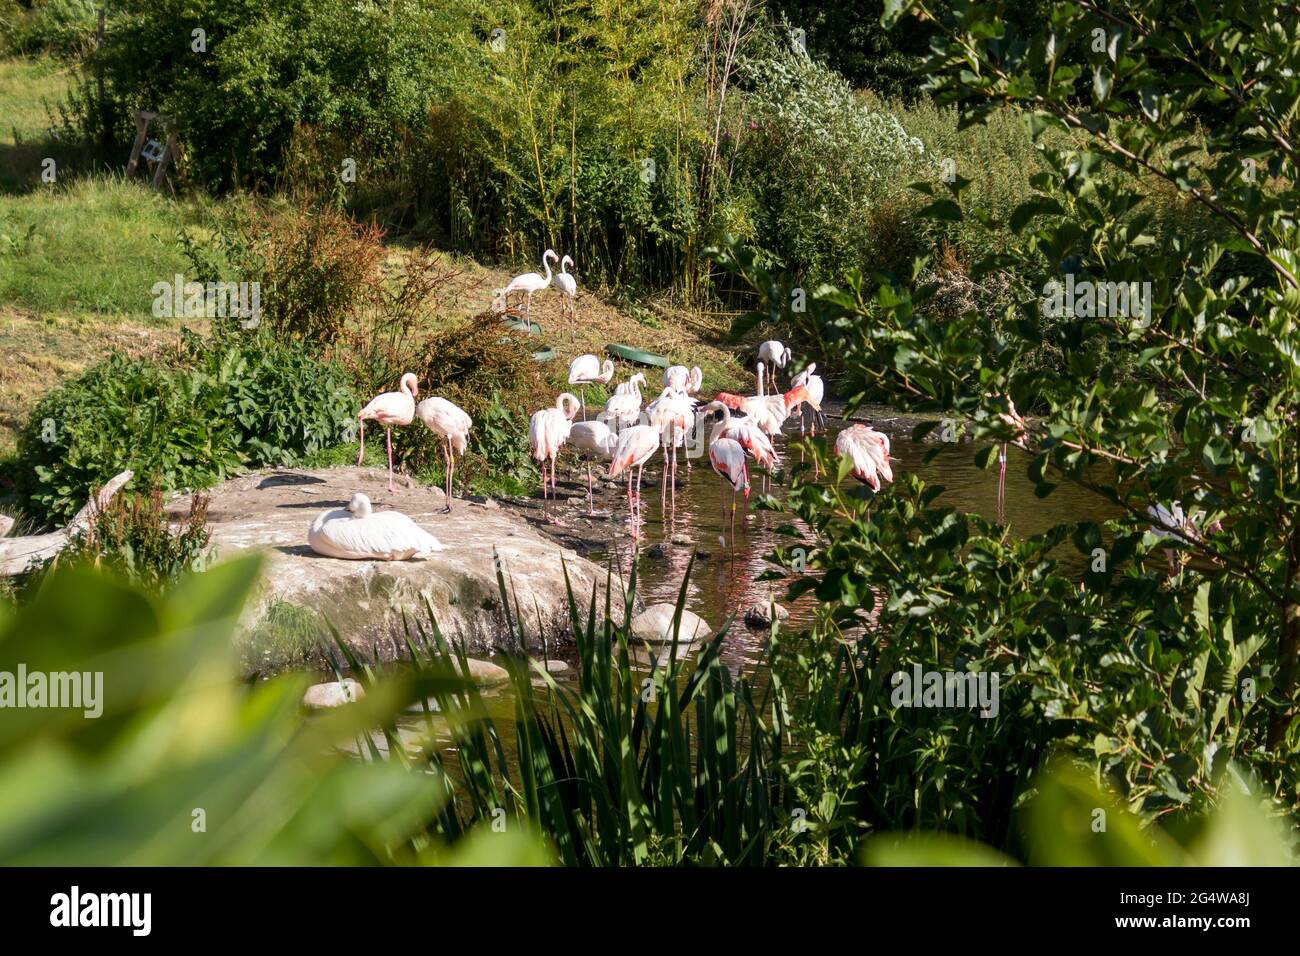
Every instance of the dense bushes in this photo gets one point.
(255, 402)
(47, 26)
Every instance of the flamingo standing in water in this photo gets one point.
(728, 459)
(672, 413)
(636, 446)
(529, 283)
(1013, 420)
(808, 419)
(744, 432)
(548, 430)
(452, 423)
(592, 438)
(586, 369)
(868, 449)
(569, 286)
(775, 355)
(389, 409)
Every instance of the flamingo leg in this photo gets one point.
(388, 436)
(362, 453)
(446, 468)
(1002, 484)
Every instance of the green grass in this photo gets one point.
(95, 245)
(28, 88)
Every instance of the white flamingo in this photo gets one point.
(585, 370)
(452, 423)
(389, 409)
(681, 379)
(530, 283)
(632, 386)
(592, 438)
(568, 285)
(623, 408)
(775, 355)
(672, 413)
(728, 459)
(548, 430)
(357, 533)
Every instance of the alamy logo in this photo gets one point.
(947, 689)
(1087, 299)
(103, 909)
(179, 299)
(58, 690)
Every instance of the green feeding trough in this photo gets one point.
(640, 357)
(520, 325)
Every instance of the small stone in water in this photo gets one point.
(332, 694)
(681, 539)
(759, 616)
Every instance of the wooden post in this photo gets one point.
(168, 153)
(141, 129)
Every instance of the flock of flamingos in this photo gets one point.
(625, 434)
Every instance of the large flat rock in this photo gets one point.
(270, 511)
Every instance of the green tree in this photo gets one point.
(1159, 677)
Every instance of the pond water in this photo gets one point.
(727, 581)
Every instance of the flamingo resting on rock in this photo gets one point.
(389, 409)
(452, 423)
(548, 430)
(357, 533)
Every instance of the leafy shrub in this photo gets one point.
(283, 403)
(820, 159)
(255, 402)
(134, 536)
(240, 101)
(51, 26)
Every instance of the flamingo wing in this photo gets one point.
(387, 536)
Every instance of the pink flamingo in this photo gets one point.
(728, 459)
(547, 432)
(586, 369)
(744, 432)
(868, 449)
(453, 424)
(672, 413)
(1013, 420)
(389, 409)
(636, 446)
(808, 419)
